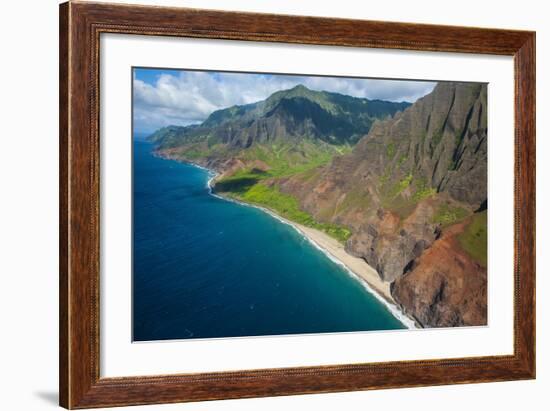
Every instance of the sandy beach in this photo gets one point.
(357, 265)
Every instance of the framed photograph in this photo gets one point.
(258, 205)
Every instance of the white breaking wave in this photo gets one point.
(212, 176)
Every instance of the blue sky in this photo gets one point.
(182, 97)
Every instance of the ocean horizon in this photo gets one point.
(205, 267)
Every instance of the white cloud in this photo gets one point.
(190, 96)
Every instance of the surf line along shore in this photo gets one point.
(356, 267)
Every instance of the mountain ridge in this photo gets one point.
(297, 112)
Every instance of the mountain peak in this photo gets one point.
(301, 91)
(297, 91)
(299, 87)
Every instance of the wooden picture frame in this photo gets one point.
(80, 27)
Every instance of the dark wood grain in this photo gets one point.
(525, 203)
(63, 205)
(80, 27)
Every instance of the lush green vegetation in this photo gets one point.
(285, 205)
(404, 205)
(447, 214)
(281, 160)
(474, 238)
(423, 190)
(390, 150)
(285, 159)
(391, 193)
(403, 184)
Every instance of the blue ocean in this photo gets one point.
(204, 267)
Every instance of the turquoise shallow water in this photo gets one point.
(204, 267)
